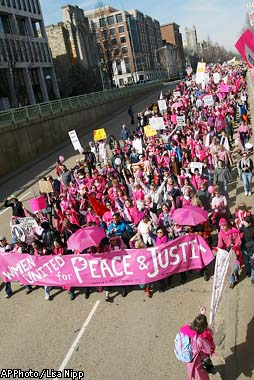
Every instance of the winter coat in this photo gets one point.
(202, 347)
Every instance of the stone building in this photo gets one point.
(172, 38)
(27, 74)
(74, 53)
(128, 42)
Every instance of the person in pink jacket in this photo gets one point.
(202, 346)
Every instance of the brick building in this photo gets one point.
(27, 74)
(172, 37)
(128, 42)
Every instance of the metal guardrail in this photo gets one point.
(19, 115)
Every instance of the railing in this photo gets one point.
(19, 115)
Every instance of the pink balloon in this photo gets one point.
(211, 189)
(61, 159)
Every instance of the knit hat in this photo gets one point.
(223, 222)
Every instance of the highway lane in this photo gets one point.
(129, 338)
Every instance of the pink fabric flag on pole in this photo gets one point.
(123, 267)
(245, 46)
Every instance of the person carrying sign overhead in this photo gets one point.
(16, 205)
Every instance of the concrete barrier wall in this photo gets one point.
(26, 142)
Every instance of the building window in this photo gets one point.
(121, 29)
(29, 6)
(33, 6)
(8, 3)
(104, 34)
(36, 28)
(102, 22)
(22, 29)
(39, 51)
(19, 4)
(25, 51)
(24, 4)
(123, 40)
(14, 51)
(119, 17)
(38, 6)
(124, 50)
(112, 31)
(116, 52)
(5, 25)
(13, 4)
(43, 53)
(3, 55)
(18, 44)
(111, 20)
(114, 41)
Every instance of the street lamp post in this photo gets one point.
(156, 60)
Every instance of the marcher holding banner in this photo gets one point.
(230, 238)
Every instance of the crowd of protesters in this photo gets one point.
(131, 184)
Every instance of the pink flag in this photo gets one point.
(245, 46)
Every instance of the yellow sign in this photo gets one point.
(149, 131)
(99, 134)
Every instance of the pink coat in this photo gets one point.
(202, 346)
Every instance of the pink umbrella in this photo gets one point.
(190, 216)
(86, 237)
(177, 104)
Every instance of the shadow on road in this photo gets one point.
(240, 364)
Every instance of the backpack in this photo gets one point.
(182, 348)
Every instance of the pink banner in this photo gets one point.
(124, 267)
(245, 46)
(224, 88)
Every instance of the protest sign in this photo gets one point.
(196, 165)
(75, 140)
(208, 100)
(162, 105)
(224, 88)
(200, 72)
(245, 46)
(99, 134)
(149, 131)
(23, 231)
(180, 121)
(157, 123)
(123, 267)
(176, 94)
(216, 78)
(222, 264)
(45, 187)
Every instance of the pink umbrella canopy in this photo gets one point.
(86, 237)
(177, 104)
(189, 216)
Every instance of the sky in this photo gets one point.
(221, 20)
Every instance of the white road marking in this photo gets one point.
(24, 196)
(76, 341)
(20, 198)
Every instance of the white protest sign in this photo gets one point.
(243, 98)
(208, 100)
(18, 232)
(28, 223)
(157, 123)
(222, 264)
(206, 78)
(216, 78)
(196, 165)
(75, 140)
(162, 105)
(200, 72)
(180, 121)
(176, 94)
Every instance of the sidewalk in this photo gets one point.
(239, 329)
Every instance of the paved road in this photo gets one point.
(131, 338)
